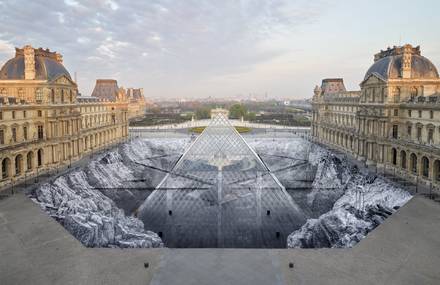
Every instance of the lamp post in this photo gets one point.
(36, 177)
(59, 160)
(430, 191)
(417, 184)
(12, 186)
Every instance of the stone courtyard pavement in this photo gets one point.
(35, 249)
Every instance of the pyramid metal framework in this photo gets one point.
(216, 193)
(220, 148)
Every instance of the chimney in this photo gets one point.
(29, 62)
(406, 61)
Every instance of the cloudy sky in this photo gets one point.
(219, 48)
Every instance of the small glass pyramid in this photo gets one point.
(221, 194)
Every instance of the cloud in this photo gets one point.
(60, 16)
(112, 4)
(6, 47)
(149, 43)
(110, 47)
(83, 40)
(72, 3)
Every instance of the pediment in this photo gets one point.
(63, 79)
(373, 78)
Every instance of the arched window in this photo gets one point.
(6, 166)
(18, 164)
(413, 92)
(413, 162)
(397, 94)
(394, 156)
(403, 159)
(29, 160)
(425, 166)
(39, 157)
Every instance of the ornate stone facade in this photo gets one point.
(43, 123)
(393, 121)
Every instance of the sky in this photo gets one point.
(222, 49)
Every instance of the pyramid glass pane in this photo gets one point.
(221, 194)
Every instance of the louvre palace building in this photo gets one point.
(44, 123)
(393, 122)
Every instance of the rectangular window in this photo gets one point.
(25, 136)
(40, 132)
(39, 113)
(430, 136)
(409, 113)
(409, 131)
(395, 131)
(13, 114)
(2, 137)
(24, 114)
(396, 112)
(431, 114)
(419, 133)
(420, 113)
(39, 95)
(14, 135)
(1, 115)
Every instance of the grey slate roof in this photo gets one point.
(45, 69)
(389, 68)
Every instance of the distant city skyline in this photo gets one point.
(200, 49)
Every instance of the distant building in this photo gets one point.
(108, 89)
(393, 121)
(135, 93)
(44, 124)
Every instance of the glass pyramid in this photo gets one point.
(221, 194)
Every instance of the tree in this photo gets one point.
(250, 116)
(203, 113)
(237, 111)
